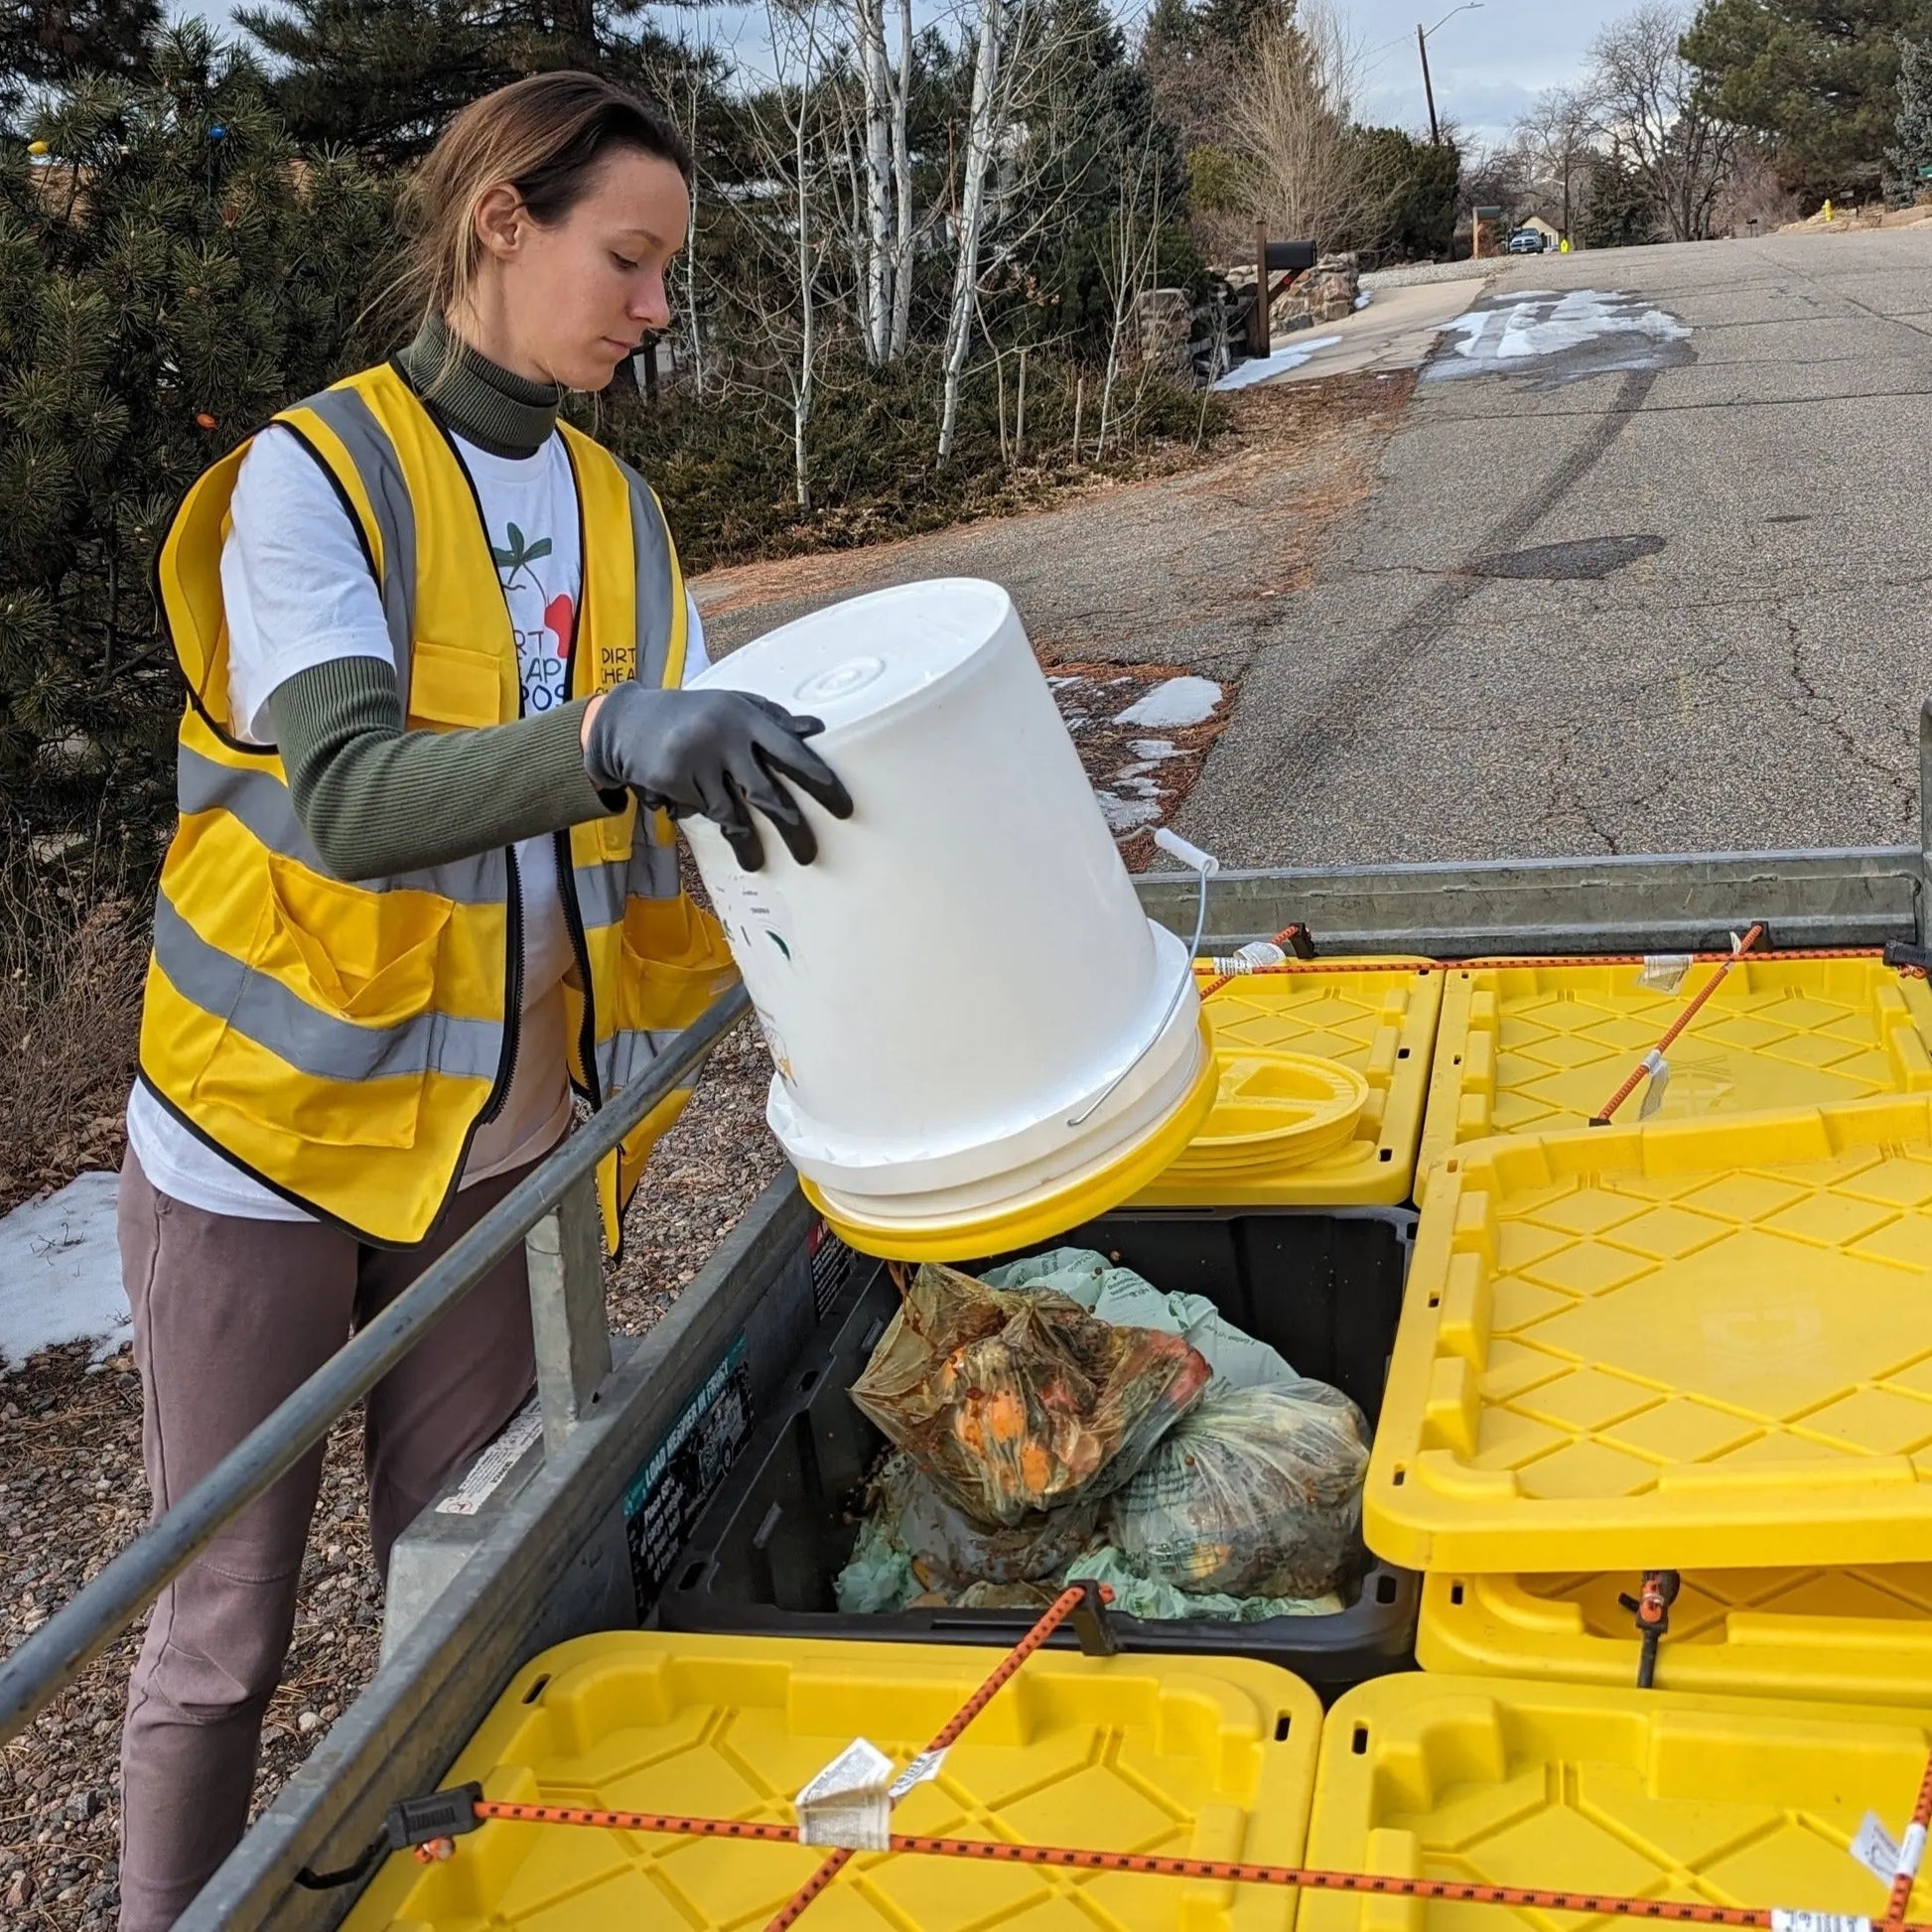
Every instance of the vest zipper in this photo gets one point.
(513, 998)
(579, 946)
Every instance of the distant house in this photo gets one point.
(1552, 235)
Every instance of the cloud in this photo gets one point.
(1489, 64)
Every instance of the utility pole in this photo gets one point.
(1428, 86)
(1422, 47)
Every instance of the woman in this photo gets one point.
(424, 883)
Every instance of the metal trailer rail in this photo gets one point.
(554, 1560)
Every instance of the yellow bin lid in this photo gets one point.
(1375, 1017)
(1207, 1758)
(1861, 1636)
(1538, 1049)
(1728, 1801)
(1700, 1344)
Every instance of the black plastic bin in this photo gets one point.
(1325, 1288)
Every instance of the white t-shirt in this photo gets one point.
(298, 592)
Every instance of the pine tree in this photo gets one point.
(172, 274)
(1819, 78)
(1619, 211)
(1194, 50)
(1909, 170)
(46, 41)
(385, 75)
(1109, 159)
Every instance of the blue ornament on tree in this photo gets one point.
(217, 132)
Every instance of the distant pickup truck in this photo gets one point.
(1528, 241)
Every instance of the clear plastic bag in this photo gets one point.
(1254, 1493)
(945, 1550)
(1016, 1401)
(1120, 1296)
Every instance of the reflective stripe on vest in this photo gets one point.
(342, 1041)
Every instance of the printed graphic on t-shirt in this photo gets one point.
(542, 614)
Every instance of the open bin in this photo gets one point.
(1325, 1288)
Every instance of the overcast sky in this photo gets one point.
(1488, 62)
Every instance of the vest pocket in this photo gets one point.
(450, 685)
(673, 962)
(333, 1039)
(369, 957)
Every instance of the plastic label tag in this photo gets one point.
(1783, 1921)
(1912, 1853)
(1258, 956)
(1658, 1068)
(1663, 972)
(1876, 1850)
(849, 1804)
(922, 1770)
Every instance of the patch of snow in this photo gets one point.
(1261, 367)
(1365, 298)
(1127, 814)
(1172, 706)
(1131, 781)
(1581, 317)
(1153, 749)
(61, 1274)
(1530, 323)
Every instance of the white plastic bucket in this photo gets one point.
(963, 1000)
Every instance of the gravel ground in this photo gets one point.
(71, 1494)
(1419, 272)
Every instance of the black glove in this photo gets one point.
(718, 753)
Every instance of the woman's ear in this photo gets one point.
(501, 220)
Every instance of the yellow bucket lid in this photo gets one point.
(1040, 1213)
(1275, 1110)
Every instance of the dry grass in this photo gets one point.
(73, 954)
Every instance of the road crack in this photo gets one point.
(1817, 705)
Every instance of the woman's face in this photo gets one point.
(575, 299)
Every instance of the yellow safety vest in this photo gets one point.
(342, 1041)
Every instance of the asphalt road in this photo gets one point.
(1653, 591)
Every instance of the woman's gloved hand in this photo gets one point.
(718, 753)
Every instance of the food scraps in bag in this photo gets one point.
(1256, 1493)
(1016, 1402)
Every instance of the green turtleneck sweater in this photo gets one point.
(376, 799)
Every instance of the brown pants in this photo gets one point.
(230, 1317)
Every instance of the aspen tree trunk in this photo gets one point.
(876, 74)
(972, 212)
